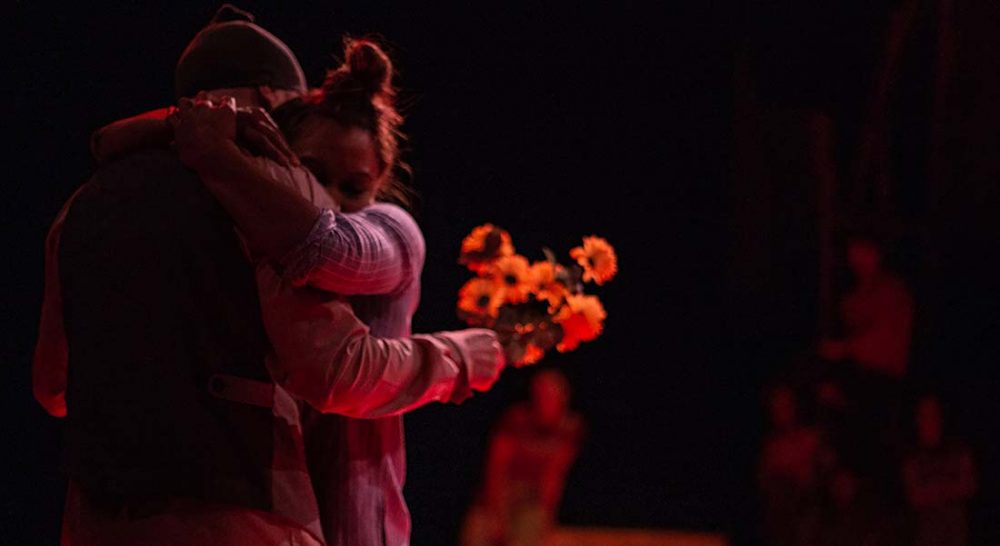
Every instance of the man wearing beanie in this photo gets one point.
(181, 425)
(231, 57)
(233, 52)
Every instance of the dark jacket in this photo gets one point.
(168, 394)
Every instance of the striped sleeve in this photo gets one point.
(378, 250)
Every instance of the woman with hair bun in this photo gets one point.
(354, 112)
(346, 133)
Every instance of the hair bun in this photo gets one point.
(229, 12)
(369, 66)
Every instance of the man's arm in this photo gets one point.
(325, 355)
(50, 362)
(155, 129)
(51, 359)
(125, 136)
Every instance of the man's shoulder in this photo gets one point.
(142, 192)
(142, 168)
(151, 179)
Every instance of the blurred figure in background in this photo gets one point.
(939, 479)
(529, 456)
(789, 467)
(877, 320)
(877, 314)
(849, 517)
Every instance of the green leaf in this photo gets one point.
(549, 255)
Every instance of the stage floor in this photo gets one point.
(594, 536)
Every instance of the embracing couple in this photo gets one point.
(226, 322)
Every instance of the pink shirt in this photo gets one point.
(375, 255)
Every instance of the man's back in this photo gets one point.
(159, 298)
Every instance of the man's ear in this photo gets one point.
(273, 98)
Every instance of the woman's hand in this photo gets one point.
(257, 130)
(484, 356)
(202, 129)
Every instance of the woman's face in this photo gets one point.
(343, 159)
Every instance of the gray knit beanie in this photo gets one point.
(232, 51)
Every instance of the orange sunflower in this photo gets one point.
(598, 259)
(544, 285)
(483, 245)
(582, 319)
(480, 297)
(511, 273)
(532, 355)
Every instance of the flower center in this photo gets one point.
(483, 301)
(491, 245)
(511, 280)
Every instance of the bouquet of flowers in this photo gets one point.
(534, 307)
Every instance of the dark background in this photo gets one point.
(555, 122)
